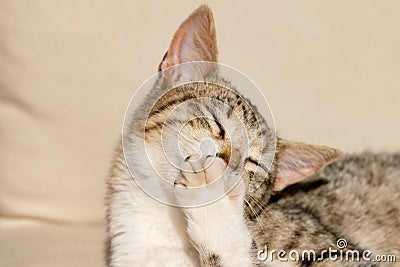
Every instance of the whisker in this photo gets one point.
(261, 206)
(264, 206)
(255, 215)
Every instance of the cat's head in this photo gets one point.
(211, 115)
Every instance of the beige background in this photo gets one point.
(330, 71)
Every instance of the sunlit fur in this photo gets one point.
(307, 198)
(131, 212)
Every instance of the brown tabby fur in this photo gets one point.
(332, 196)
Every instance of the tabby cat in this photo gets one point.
(310, 196)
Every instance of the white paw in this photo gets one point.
(205, 180)
(211, 226)
(197, 172)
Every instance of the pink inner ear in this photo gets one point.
(182, 47)
(297, 161)
(286, 177)
(193, 41)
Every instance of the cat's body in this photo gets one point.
(355, 198)
(309, 196)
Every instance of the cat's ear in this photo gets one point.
(194, 40)
(297, 161)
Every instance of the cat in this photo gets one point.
(309, 197)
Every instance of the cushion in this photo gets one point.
(68, 69)
(25, 243)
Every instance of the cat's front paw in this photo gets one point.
(210, 227)
(197, 172)
(204, 180)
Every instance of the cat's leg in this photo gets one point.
(144, 232)
(218, 231)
